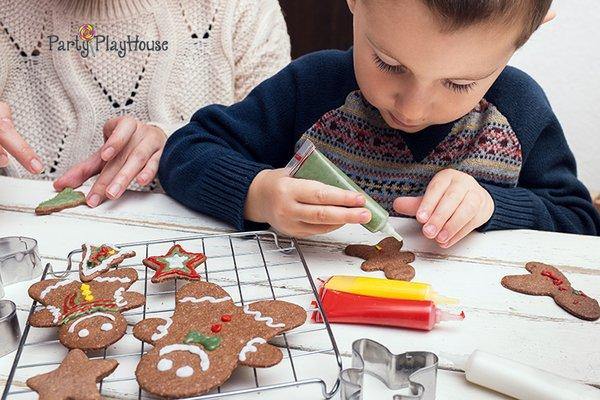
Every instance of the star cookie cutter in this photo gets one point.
(415, 370)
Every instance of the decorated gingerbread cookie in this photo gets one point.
(75, 378)
(546, 280)
(88, 315)
(198, 348)
(177, 263)
(385, 256)
(68, 198)
(99, 259)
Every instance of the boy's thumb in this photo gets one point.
(407, 205)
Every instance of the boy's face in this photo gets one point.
(417, 75)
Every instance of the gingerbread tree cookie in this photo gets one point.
(99, 259)
(207, 337)
(546, 280)
(177, 263)
(88, 314)
(68, 198)
(385, 256)
(75, 378)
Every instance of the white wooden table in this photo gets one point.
(529, 329)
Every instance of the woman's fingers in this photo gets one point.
(150, 170)
(3, 158)
(14, 144)
(118, 132)
(80, 173)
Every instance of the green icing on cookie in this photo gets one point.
(210, 343)
(68, 195)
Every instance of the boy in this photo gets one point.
(422, 113)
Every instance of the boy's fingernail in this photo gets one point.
(36, 166)
(422, 216)
(360, 199)
(443, 236)
(3, 160)
(94, 200)
(114, 190)
(365, 216)
(108, 153)
(429, 230)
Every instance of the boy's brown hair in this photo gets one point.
(457, 14)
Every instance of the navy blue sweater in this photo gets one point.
(209, 164)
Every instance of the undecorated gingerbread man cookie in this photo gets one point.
(386, 256)
(88, 315)
(207, 337)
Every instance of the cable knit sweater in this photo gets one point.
(217, 51)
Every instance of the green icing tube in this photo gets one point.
(310, 163)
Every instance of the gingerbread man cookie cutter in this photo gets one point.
(415, 370)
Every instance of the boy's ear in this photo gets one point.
(549, 16)
(351, 5)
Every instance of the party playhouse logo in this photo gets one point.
(88, 42)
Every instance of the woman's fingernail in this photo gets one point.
(114, 190)
(3, 160)
(94, 200)
(108, 153)
(429, 230)
(143, 177)
(443, 236)
(422, 216)
(36, 166)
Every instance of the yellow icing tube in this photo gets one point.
(386, 288)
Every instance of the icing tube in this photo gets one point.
(357, 309)
(388, 288)
(518, 380)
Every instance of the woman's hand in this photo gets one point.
(454, 204)
(131, 151)
(12, 143)
(300, 207)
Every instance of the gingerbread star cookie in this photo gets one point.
(88, 315)
(546, 280)
(99, 259)
(208, 336)
(385, 256)
(75, 378)
(68, 198)
(177, 263)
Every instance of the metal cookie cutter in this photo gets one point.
(19, 261)
(10, 332)
(416, 370)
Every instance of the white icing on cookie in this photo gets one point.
(104, 265)
(177, 261)
(107, 327)
(258, 317)
(210, 299)
(119, 300)
(55, 286)
(112, 279)
(185, 372)
(250, 348)
(163, 330)
(83, 333)
(164, 365)
(94, 315)
(204, 361)
(55, 311)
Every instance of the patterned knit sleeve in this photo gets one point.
(261, 45)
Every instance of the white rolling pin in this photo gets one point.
(518, 380)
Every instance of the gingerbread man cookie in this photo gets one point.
(546, 280)
(99, 259)
(75, 378)
(88, 314)
(198, 348)
(177, 263)
(385, 256)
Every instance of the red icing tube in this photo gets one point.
(356, 309)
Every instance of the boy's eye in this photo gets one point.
(382, 65)
(460, 88)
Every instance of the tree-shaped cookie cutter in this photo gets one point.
(415, 370)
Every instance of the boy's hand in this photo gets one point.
(299, 207)
(131, 151)
(454, 204)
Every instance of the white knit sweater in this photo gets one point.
(218, 50)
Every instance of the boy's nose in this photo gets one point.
(411, 106)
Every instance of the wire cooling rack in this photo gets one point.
(250, 266)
